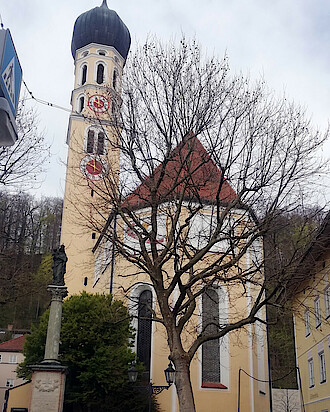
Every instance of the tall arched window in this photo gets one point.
(215, 359)
(95, 141)
(144, 331)
(84, 74)
(210, 349)
(100, 73)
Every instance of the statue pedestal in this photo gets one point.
(48, 383)
(48, 378)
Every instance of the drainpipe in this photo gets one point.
(239, 390)
(301, 393)
(112, 269)
(269, 371)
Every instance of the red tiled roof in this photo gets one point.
(189, 164)
(13, 345)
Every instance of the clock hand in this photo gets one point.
(99, 168)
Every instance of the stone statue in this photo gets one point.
(59, 266)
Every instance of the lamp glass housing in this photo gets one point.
(169, 374)
(132, 374)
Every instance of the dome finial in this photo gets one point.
(104, 4)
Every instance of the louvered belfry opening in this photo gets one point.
(95, 142)
(210, 349)
(90, 141)
(100, 143)
(144, 332)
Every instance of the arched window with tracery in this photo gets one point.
(100, 73)
(215, 367)
(95, 141)
(210, 349)
(84, 74)
(144, 331)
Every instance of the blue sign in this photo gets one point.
(10, 70)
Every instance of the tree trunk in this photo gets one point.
(183, 385)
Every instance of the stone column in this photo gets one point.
(54, 323)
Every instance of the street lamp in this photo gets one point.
(132, 373)
(153, 389)
(169, 374)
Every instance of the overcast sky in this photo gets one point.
(287, 42)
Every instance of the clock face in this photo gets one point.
(98, 103)
(93, 167)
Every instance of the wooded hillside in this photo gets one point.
(29, 230)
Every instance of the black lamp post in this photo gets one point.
(153, 389)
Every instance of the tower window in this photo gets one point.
(90, 141)
(100, 74)
(100, 143)
(84, 54)
(84, 74)
(81, 104)
(95, 141)
(85, 281)
(115, 79)
(102, 52)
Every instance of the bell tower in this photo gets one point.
(100, 45)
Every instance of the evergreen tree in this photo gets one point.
(95, 345)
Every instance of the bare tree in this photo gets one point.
(209, 162)
(29, 230)
(22, 163)
(286, 400)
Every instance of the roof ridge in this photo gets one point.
(201, 177)
(11, 344)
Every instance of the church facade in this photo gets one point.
(227, 373)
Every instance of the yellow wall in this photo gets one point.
(242, 348)
(19, 397)
(316, 398)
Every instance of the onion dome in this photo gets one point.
(102, 26)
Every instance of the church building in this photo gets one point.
(229, 373)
